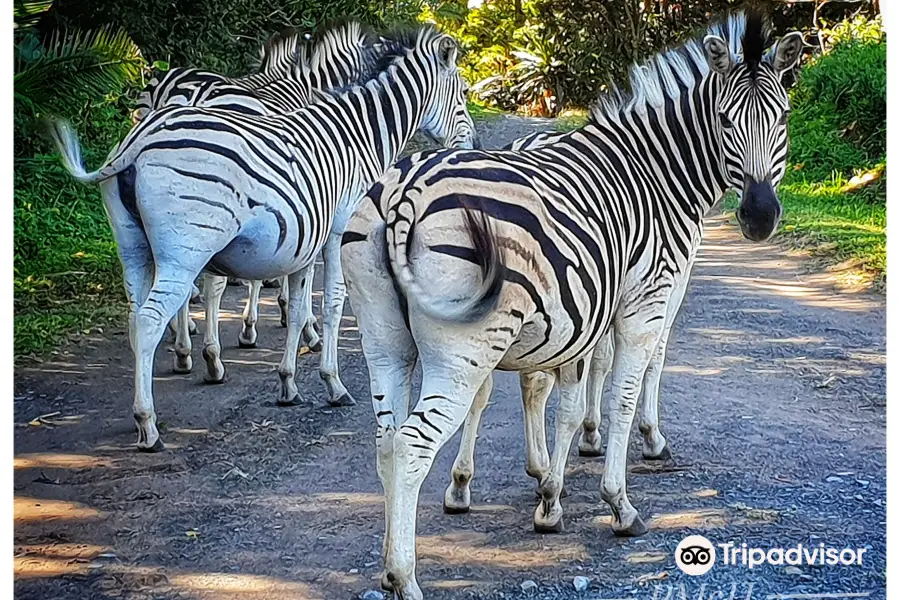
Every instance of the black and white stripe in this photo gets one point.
(258, 197)
(294, 72)
(524, 261)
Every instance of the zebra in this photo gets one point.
(537, 385)
(187, 86)
(256, 197)
(294, 72)
(541, 253)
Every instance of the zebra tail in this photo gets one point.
(67, 142)
(486, 254)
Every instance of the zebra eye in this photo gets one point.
(784, 117)
(725, 121)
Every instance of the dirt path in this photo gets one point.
(773, 401)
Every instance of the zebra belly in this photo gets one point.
(256, 254)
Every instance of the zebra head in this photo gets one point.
(447, 117)
(752, 106)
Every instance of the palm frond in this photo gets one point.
(77, 64)
(27, 12)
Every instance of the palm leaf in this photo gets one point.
(27, 12)
(76, 65)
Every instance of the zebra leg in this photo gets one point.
(655, 446)
(183, 346)
(389, 350)
(457, 497)
(636, 339)
(247, 337)
(448, 391)
(571, 379)
(601, 363)
(332, 311)
(310, 328)
(213, 288)
(283, 296)
(170, 291)
(290, 395)
(536, 388)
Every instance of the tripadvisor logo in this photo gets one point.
(696, 555)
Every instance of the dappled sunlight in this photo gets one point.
(688, 370)
(49, 460)
(873, 358)
(452, 584)
(465, 548)
(241, 586)
(694, 519)
(34, 567)
(335, 502)
(250, 363)
(808, 339)
(819, 297)
(29, 510)
(491, 508)
(32, 561)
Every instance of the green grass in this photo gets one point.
(39, 331)
(835, 225)
(482, 112)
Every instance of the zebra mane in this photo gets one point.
(671, 72)
(332, 39)
(399, 40)
(383, 50)
(285, 43)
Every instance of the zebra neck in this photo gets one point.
(674, 147)
(396, 102)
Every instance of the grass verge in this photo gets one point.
(835, 225)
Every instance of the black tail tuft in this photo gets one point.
(487, 255)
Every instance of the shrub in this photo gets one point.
(838, 122)
(223, 36)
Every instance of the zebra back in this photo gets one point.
(293, 72)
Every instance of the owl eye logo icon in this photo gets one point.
(695, 555)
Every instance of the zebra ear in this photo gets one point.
(718, 55)
(787, 51)
(447, 51)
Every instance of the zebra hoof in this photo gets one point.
(342, 400)
(246, 345)
(295, 401)
(588, 452)
(665, 456)
(558, 527)
(283, 321)
(210, 380)
(636, 529)
(455, 510)
(158, 446)
(317, 347)
(386, 584)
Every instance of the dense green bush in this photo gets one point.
(838, 123)
(223, 36)
(541, 56)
